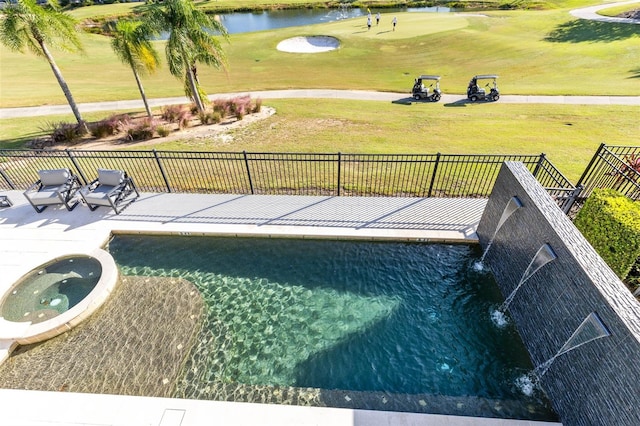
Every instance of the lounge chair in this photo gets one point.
(5, 201)
(57, 186)
(112, 188)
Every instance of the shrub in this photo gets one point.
(240, 112)
(216, 117)
(257, 106)
(208, 117)
(163, 131)
(109, 126)
(101, 129)
(240, 105)
(63, 132)
(178, 114)
(222, 106)
(142, 130)
(611, 223)
(171, 112)
(237, 107)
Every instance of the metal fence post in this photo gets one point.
(162, 172)
(339, 171)
(433, 176)
(246, 164)
(76, 165)
(573, 195)
(542, 158)
(588, 168)
(6, 178)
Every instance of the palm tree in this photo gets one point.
(191, 40)
(131, 44)
(27, 24)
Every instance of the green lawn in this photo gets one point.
(534, 52)
(104, 10)
(615, 11)
(568, 134)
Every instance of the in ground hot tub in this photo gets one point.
(56, 296)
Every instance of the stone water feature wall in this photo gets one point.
(597, 383)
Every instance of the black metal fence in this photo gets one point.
(615, 167)
(402, 175)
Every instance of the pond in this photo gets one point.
(245, 22)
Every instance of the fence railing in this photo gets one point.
(335, 174)
(614, 167)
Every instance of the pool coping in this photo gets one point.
(29, 239)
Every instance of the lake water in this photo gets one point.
(269, 20)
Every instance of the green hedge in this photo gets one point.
(611, 223)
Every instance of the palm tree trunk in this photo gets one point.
(192, 82)
(63, 85)
(144, 97)
(195, 91)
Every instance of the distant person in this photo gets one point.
(369, 22)
(377, 18)
(473, 86)
(394, 22)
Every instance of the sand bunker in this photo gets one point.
(309, 44)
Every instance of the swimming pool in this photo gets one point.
(372, 325)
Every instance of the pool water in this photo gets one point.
(51, 290)
(371, 318)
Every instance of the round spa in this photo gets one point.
(56, 296)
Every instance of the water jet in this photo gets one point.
(513, 204)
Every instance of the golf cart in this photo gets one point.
(477, 93)
(419, 90)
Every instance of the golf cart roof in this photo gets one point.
(429, 77)
(485, 76)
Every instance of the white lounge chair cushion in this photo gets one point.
(110, 177)
(54, 177)
(99, 196)
(46, 196)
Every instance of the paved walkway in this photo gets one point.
(30, 239)
(315, 94)
(590, 13)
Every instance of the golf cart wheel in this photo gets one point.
(416, 97)
(496, 97)
(473, 98)
(435, 98)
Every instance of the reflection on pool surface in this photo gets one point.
(51, 290)
(395, 326)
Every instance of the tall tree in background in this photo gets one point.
(194, 38)
(26, 24)
(131, 44)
